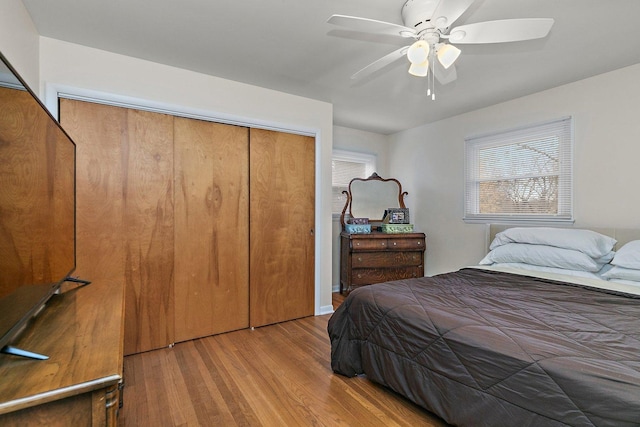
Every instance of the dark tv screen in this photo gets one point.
(37, 206)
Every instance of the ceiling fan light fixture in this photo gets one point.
(418, 52)
(419, 70)
(447, 54)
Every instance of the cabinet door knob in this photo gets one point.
(382, 243)
(360, 258)
(394, 243)
(359, 276)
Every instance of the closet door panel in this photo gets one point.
(282, 212)
(149, 231)
(212, 234)
(96, 130)
(125, 212)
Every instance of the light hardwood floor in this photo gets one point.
(278, 375)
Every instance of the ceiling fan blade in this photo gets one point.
(371, 26)
(448, 11)
(507, 30)
(443, 75)
(381, 63)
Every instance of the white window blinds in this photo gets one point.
(522, 174)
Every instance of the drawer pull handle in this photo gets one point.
(419, 243)
(359, 276)
(357, 243)
(382, 243)
(360, 258)
(394, 243)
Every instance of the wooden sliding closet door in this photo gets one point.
(125, 212)
(282, 212)
(212, 228)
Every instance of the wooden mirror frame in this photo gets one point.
(373, 178)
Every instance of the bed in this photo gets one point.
(504, 344)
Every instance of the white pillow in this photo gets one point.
(628, 256)
(618, 272)
(589, 242)
(547, 256)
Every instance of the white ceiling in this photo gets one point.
(287, 45)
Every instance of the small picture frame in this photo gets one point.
(396, 216)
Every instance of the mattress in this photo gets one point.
(483, 347)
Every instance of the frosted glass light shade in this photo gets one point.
(447, 55)
(418, 52)
(419, 70)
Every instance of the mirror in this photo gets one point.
(370, 197)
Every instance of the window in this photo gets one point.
(522, 174)
(347, 165)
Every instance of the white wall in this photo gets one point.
(78, 69)
(364, 142)
(361, 142)
(19, 41)
(606, 152)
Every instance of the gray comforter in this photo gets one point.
(491, 348)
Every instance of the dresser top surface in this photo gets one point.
(82, 332)
(380, 235)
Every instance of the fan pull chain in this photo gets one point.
(433, 83)
(431, 86)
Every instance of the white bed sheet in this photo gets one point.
(627, 288)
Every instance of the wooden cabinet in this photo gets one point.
(380, 257)
(79, 385)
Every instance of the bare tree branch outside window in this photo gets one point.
(520, 178)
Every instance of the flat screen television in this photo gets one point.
(37, 208)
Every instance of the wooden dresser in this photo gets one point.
(79, 385)
(380, 257)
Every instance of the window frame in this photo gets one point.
(561, 128)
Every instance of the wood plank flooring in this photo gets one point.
(278, 375)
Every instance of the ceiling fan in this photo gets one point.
(428, 22)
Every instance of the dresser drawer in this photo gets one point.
(402, 244)
(369, 244)
(380, 257)
(386, 259)
(367, 276)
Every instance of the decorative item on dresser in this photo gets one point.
(376, 256)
